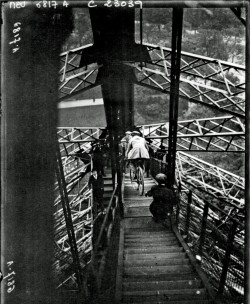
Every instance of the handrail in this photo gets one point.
(105, 220)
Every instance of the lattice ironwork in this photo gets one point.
(210, 244)
(73, 139)
(208, 81)
(218, 227)
(220, 134)
(80, 205)
(201, 175)
(74, 78)
(211, 82)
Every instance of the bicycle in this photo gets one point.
(137, 176)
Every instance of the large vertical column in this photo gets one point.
(174, 91)
(114, 43)
(31, 44)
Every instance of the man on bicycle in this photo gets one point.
(137, 150)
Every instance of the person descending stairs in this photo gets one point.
(154, 264)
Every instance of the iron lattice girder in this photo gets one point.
(225, 134)
(80, 206)
(203, 80)
(82, 136)
(73, 78)
(216, 181)
(71, 140)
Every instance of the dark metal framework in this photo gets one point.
(184, 76)
(211, 224)
(217, 134)
(203, 80)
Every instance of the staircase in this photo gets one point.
(108, 187)
(153, 266)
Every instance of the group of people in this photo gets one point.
(133, 147)
(136, 148)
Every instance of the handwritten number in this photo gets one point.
(11, 283)
(17, 24)
(54, 3)
(16, 30)
(139, 2)
(15, 41)
(9, 290)
(123, 3)
(131, 3)
(116, 3)
(9, 263)
(65, 3)
(108, 3)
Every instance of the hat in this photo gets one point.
(135, 133)
(128, 132)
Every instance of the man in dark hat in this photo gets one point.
(96, 184)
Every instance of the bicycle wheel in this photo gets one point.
(140, 180)
(132, 178)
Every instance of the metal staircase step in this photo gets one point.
(151, 263)
(166, 294)
(134, 245)
(107, 181)
(149, 238)
(162, 285)
(143, 233)
(160, 277)
(154, 266)
(108, 188)
(164, 249)
(158, 269)
(154, 256)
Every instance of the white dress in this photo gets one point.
(139, 148)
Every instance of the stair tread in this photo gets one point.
(162, 285)
(154, 256)
(161, 262)
(163, 249)
(195, 291)
(156, 269)
(140, 237)
(143, 233)
(160, 277)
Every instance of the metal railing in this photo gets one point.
(214, 233)
(103, 240)
(219, 134)
(82, 241)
